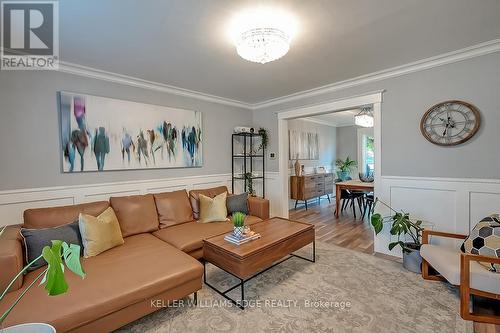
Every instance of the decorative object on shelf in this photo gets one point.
(262, 34)
(366, 178)
(304, 145)
(401, 226)
(345, 167)
(248, 164)
(320, 169)
(265, 138)
(249, 183)
(52, 277)
(99, 133)
(238, 219)
(297, 167)
(365, 117)
(243, 129)
(450, 123)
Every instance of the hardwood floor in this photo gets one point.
(351, 233)
(346, 231)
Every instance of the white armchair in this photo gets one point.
(463, 270)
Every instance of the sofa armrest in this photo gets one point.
(258, 207)
(426, 233)
(11, 258)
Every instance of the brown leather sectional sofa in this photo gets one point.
(157, 262)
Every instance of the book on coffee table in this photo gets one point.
(240, 240)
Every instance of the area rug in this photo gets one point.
(344, 291)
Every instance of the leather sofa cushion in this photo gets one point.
(136, 214)
(209, 192)
(100, 233)
(189, 237)
(173, 208)
(39, 218)
(143, 267)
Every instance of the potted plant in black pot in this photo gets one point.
(408, 232)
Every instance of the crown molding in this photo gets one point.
(420, 65)
(320, 122)
(80, 70)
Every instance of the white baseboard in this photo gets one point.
(14, 202)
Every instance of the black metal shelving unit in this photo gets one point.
(248, 157)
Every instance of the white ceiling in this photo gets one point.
(184, 43)
(335, 119)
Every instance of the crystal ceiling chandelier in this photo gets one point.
(263, 34)
(365, 117)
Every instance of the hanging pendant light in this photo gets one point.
(365, 117)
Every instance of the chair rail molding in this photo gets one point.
(14, 202)
(453, 205)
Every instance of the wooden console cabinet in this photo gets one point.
(311, 186)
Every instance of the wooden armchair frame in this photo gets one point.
(465, 290)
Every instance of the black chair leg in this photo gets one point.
(296, 204)
(328, 197)
(353, 207)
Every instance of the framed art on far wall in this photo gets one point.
(99, 133)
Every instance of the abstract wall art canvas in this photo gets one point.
(303, 145)
(99, 133)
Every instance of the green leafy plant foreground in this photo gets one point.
(238, 219)
(58, 256)
(401, 225)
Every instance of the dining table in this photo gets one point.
(352, 185)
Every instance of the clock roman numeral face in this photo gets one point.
(450, 123)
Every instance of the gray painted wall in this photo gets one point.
(29, 133)
(327, 143)
(347, 144)
(405, 152)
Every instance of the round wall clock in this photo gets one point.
(450, 123)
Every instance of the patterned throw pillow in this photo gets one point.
(484, 240)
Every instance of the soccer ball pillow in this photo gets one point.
(484, 240)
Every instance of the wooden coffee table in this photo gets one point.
(279, 239)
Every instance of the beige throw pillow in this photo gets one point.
(99, 233)
(213, 210)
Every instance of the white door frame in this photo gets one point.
(374, 98)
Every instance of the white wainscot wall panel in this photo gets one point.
(14, 202)
(451, 205)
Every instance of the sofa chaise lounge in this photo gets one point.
(158, 261)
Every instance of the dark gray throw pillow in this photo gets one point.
(237, 203)
(36, 239)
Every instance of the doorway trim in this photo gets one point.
(374, 98)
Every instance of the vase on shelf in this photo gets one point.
(297, 166)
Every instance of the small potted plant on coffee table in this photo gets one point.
(238, 219)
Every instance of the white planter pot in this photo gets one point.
(30, 328)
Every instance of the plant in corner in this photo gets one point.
(344, 168)
(238, 219)
(401, 226)
(52, 276)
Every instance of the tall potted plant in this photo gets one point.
(345, 167)
(401, 226)
(52, 277)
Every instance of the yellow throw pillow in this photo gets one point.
(213, 210)
(99, 233)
